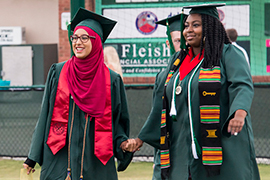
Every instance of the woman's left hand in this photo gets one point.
(28, 168)
(128, 145)
(237, 122)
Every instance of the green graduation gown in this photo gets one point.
(236, 93)
(54, 167)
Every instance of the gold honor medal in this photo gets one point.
(178, 88)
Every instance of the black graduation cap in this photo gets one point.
(98, 23)
(209, 9)
(174, 22)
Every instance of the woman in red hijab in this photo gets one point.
(84, 121)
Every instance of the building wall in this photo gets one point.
(42, 21)
(39, 17)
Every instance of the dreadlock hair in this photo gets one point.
(213, 38)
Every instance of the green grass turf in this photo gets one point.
(10, 170)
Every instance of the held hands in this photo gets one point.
(131, 145)
(29, 169)
(237, 122)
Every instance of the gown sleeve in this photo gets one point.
(120, 123)
(150, 132)
(38, 138)
(240, 86)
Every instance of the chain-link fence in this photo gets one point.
(19, 111)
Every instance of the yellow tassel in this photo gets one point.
(68, 174)
(68, 177)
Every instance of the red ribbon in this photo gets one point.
(189, 63)
(103, 127)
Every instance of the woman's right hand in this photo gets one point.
(132, 145)
(237, 122)
(29, 169)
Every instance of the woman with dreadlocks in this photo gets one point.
(205, 131)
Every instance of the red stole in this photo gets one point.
(188, 64)
(103, 127)
(103, 147)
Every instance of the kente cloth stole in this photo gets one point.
(164, 134)
(209, 92)
(103, 147)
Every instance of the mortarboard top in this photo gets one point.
(174, 22)
(98, 23)
(209, 9)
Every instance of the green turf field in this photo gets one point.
(10, 170)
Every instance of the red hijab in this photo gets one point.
(86, 78)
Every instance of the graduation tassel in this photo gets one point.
(194, 152)
(68, 174)
(68, 177)
(172, 50)
(182, 27)
(173, 111)
(70, 43)
(173, 108)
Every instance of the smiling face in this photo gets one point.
(81, 50)
(193, 30)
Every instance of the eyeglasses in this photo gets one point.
(84, 38)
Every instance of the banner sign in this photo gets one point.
(140, 22)
(105, 2)
(12, 35)
(140, 59)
